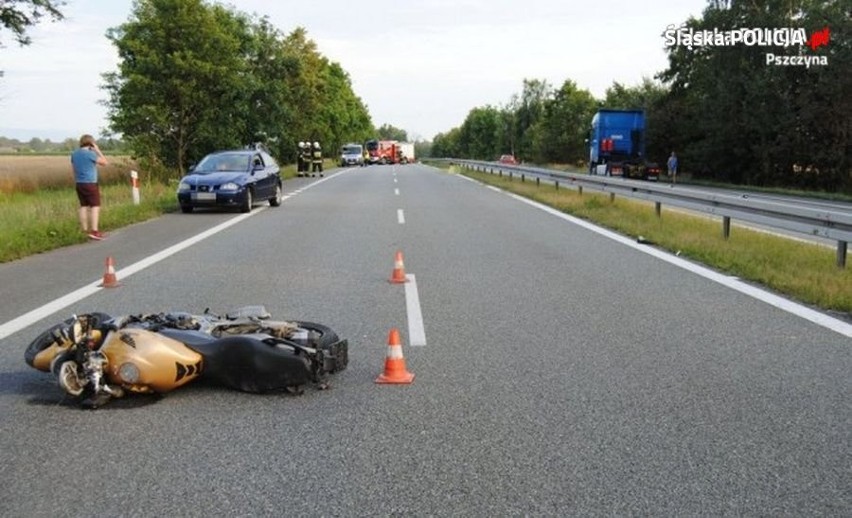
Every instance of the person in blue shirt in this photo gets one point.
(673, 167)
(85, 162)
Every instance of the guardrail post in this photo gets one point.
(658, 208)
(841, 253)
(511, 175)
(726, 227)
(134, 187)
(537, 181)
(523, 178)
(612, 197)
(580, 189)
(557, 185)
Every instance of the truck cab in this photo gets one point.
(617, 145)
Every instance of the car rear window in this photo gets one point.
(224, 162)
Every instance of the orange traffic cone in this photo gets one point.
(398, 275)
(110, 280)
(395, 371)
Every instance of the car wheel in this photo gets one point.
(186, 209)
(247, 204)
(276, 200)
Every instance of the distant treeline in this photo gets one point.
(47, 146)
(732, 113)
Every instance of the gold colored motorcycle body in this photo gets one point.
(96, 357)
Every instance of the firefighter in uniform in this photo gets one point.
(306, 158)
(317, 159)
(300, 162)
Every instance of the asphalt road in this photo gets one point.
(564, 373)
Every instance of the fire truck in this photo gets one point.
(382, 151)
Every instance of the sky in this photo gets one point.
(418, 65)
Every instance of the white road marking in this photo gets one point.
(400, 216)
(396, 191)
(27, 319)
(394, 180)
(416, 331)
(781, 303)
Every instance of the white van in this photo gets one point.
(351, 154)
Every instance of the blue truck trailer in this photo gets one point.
(617, 145)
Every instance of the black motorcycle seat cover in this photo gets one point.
(250, 365)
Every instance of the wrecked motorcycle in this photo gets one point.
(96, 357)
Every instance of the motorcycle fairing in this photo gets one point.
(250, 365)
(163, 363)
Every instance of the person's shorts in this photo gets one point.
(89, 194)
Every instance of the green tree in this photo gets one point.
(179, 59)
(742, 120)
(270, 114)
(446, 145)
(528, 109)
(559, 133)
(479, 135)
(324, 105)
(19, 15)
(196, 77)
(389, 132)
(343, 112)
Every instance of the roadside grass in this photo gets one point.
(40, 207)
(800, 270)
(36, 222)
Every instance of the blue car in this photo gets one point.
(231, 179)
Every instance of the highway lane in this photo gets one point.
(564, 374)
(802, 201)
(839, 207)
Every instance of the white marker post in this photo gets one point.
(134, 184)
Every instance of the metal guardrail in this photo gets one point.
(818, 222)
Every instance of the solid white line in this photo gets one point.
(781, 303)
(35, 315)
(27, 319)
(400, 216)
(416, 332)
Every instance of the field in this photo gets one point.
(30, 173)
(40, 204)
